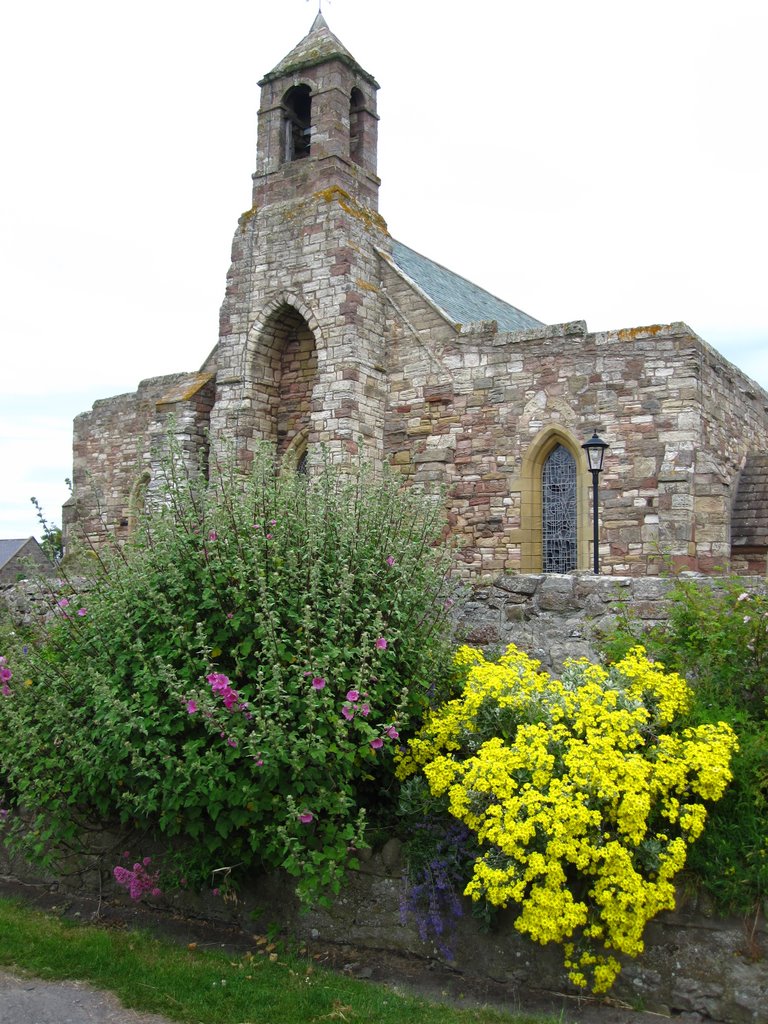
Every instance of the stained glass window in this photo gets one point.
(558, 506)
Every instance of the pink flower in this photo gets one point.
(191, 707)
(365, 710)
(392, 732)
(81, 612)
(5, 690)
(215, 892)
(268, 536)
(348, 711)
(306, 817)
(318, 683)
(273, 522)
(377, 743)
(5, 675)
(390, 561)
(62, 603)
(232, 742)
(381, 643)
(213, 535)
(353, 695)
(230, 615)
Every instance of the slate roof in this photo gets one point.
(318, 46)
(461, 301)
(9, 548)
(749, 522)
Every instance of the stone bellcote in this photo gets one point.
(317, 124)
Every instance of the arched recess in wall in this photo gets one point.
(284, 373)
(554, 508)
(297, 123)
(356, 125)
(137, 500)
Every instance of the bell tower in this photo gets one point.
(317, 123)
(300, 359)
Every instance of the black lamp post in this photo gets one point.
(595, 449)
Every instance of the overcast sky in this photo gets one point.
(602, 160)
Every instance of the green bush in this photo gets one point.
(236, 677)
(717, 637)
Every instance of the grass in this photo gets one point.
(209, 987)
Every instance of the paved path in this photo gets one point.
(27, 1000)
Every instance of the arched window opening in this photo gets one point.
(356, 110)
(558, 507)
(297, 123)
(296, 455)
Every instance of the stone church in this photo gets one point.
(334, 334)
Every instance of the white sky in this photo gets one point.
(604, 160)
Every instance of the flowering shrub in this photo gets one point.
(583, 793)
(139, 881)
(717, 636)
(243, 672)
(439, 851)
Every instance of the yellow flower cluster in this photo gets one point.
(582, 795)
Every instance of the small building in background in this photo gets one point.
(22, 558)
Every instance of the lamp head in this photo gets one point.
(595, 449)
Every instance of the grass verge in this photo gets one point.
(209, 987)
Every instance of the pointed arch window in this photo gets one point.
(558, 508)
(297, 123)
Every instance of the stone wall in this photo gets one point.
(694, 963)
(110, 450)
(553, 617)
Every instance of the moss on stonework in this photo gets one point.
(246, 217)
(367, 286)
(371, 219)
